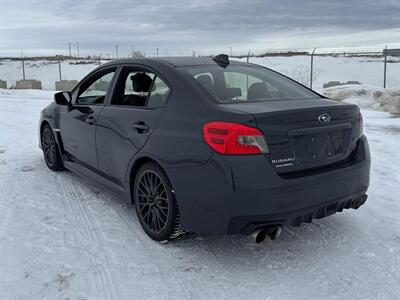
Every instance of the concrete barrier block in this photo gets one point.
(28, 84)
(65, 85)
(338, 83)
(353, 82)
(331, 84)
(3, 84)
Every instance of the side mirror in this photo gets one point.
(62, 98)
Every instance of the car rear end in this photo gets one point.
(287, 162)
(312, 168)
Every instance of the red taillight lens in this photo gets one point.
(234, 138)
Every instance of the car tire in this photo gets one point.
(50, 149)
(155, 203)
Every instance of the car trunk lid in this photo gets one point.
(305, 134)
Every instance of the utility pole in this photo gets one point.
(59, 66)
(157, 52)
(166, 52)
(384, 67)
(230, 51)
(77, 48)
(69, 48)
(116, 51)
(23, 68)
(312, 68)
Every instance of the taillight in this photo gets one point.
(234, 138)
(361, 125)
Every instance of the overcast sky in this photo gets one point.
(178, 27)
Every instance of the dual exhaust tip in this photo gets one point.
(260, 234)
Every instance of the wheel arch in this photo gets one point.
(57, 134)
(44, 123)
(137, 163)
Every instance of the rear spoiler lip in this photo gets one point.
(316, 130)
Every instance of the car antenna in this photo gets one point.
(222, 60)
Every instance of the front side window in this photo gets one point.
(237, 83)
(140, 89)
(94, 92)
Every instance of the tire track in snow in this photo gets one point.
(5, 210)
(4, 207)
(150, 246)
(328, 234)
(10, 191)
(153, 251)
(102, 277)
(5, 203)
(206, 254)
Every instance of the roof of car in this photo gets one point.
(173, 61)
(192, 61)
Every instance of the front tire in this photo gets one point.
(50, 149)
(155, 203)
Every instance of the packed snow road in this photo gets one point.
(64, 238)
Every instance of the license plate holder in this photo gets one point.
(318, 146)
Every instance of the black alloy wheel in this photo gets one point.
(50, 149)
(155, 203)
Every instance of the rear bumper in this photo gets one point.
(247, 224)
(231, 194)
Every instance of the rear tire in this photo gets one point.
(155, 203)
(50, 149)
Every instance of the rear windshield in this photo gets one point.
(238, 83)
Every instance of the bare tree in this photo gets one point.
(137, 53)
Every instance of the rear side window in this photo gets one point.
(237, 83)
(129, 85)
(140, 88)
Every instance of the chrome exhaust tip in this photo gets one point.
(273, 231)
(259, 235)
(359, 202)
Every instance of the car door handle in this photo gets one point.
(90, 120)
(141, 127)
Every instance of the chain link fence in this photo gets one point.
(317, 68)
(321, 67)
(392, 68)
(47, 70)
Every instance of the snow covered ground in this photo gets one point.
(64, 238)
(367, 97)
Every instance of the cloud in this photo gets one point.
(184, 25)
